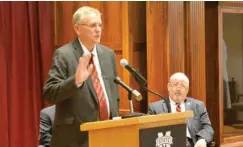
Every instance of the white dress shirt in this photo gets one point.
(98, 69)
(183, 109)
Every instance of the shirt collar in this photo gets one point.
(173, 103)
(86, 51)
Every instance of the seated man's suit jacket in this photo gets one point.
(47, 116)
(199, 126)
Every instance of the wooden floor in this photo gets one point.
(236, 144)
(233, 130)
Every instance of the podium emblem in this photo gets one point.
(164, 141)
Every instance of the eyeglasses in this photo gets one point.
(178, 85)
(93, 25)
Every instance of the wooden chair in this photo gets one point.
(235, 98)
(230, 114)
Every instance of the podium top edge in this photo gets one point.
(135, 121)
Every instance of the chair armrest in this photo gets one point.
(238, 97)
(212, 144)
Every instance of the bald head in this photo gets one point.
(178, 87)
(179, 76)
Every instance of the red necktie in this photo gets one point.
(103, 109)
(178, 107)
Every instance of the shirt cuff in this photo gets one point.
(79, 85)
(203, 140)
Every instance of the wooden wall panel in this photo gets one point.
(157, 48)
(195, 49)
(64, 32)
(176, 36)
(134, 51)
(165, 44)
(212, 69)
(112, 24)
(137, 45)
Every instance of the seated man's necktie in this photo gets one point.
(178, 107)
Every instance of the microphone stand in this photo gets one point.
(130, 102)
(145, 88)
(132, 113)
(143, 84)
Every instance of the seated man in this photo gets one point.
(47, 116)
(199, 129)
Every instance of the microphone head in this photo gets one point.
(123, 62)
(117, 80)
(137, 95)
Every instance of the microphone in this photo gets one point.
(134, 93)
(140, 79)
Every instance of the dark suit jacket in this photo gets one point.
(46, 121)
(198, 126)
(75, 106)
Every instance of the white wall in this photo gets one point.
(232, 32)
(233, 36)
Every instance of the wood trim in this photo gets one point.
(125, 39)
(235, 4)
(230, 10)
(123, 112)
(188, 43)
(142, 121)
(233, 139)
(55, 23)
(163, 123)
(220, 68)
(212, 82)
(118, 51)
(125, 54)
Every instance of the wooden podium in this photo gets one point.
(135, 132)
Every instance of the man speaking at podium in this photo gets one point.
(199, 129)
(80, 81)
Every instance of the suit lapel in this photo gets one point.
(78, 51)
(167, 105)
(188, 107)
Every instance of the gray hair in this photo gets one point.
(82, 12)
(179, 75)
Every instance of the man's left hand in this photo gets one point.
(201, 143)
